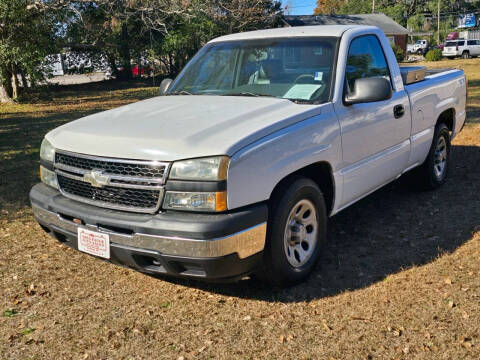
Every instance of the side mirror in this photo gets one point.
(369, 90)
(164, 85)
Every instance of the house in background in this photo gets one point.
(395, 32)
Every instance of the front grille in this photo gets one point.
(108, 195)
(129, 185)
(112, 167)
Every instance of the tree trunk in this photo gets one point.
(6, 86)
(4, 96)
(15, 87)
(125, 52)
(113, 65)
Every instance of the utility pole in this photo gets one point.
(438, 22)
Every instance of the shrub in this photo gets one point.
(397, 50)
(434, 55)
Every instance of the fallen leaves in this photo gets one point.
(326, 326)
(396, 331)
(466, 342)
(31, 290)
(145, 315)
(284, 339)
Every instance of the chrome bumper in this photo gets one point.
(244, 243)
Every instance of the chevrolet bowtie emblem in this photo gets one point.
(96, 178)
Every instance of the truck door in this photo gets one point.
(375, 135)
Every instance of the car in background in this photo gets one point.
(464, 48)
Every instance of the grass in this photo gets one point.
(399, 279)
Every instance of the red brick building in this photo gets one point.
(395, 32)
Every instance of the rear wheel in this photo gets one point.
(466, 55)
(434, 171)
(296, 233)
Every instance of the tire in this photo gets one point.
(296, 232)
(466, 55)
(419, 52)
(431, 174)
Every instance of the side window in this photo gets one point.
(461, 43)
(365, 60)
(471, 42)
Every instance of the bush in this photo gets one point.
(434, 55)
(397, 50)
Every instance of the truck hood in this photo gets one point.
(171, 128)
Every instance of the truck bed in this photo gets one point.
(441, 88)
(413, 74)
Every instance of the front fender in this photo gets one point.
(256, 169)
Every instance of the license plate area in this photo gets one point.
(94, 243)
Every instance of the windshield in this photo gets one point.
(298, 69)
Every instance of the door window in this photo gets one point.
(365, 60)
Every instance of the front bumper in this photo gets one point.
(218, 246)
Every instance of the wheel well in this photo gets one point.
(446, 118)
(321, 173)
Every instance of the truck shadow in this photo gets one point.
(393, 229)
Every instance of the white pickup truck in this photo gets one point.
(236, 167)
(420, 47)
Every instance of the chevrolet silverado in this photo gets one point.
(235, 168)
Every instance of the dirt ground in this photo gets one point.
(399, 279)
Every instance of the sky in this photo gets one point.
(300, 7)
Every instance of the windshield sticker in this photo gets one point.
(302, 91)
(318, 76)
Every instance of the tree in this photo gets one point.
(246, 15)
(328, 7)
(26, 37)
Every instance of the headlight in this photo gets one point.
(48, 177)
(203, 169)
(47, 151)
(196, 201)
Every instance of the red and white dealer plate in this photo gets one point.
(94, 243)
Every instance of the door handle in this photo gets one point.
(398, 111)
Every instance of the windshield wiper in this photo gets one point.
(248, 94)
(181, 92)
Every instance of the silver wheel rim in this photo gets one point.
(301, 233)
(440, 160)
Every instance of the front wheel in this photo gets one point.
(296, 232)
